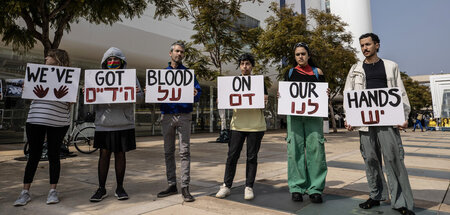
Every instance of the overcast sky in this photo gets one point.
(414, 33)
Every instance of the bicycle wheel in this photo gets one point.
(84, 140)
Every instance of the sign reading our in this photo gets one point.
(110, 86)
(374, 107)
(240, 92)
(54, 83)
(303, 98)
(169, 86)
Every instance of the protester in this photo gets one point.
(247, 124)
(307, 167)
(114, 132)
(372, 73)
(176, 118)
(51, 118)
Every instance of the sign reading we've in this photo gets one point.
(240, 92)
(110, 86)
(54, 83)
(303, 98)
(169, 86)
(374, 107)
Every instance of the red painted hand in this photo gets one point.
(61, 92)
(40, 92)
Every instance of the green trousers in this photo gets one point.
(307, 166)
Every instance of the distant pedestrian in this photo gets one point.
(51, 118)
(418, 119)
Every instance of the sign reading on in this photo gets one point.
(110, 86)
(303, 98)
(54, 83)
(240, 92)
(374, 107)
(169, 86)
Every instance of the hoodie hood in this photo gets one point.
(113, 52)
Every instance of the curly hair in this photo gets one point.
(60, 56)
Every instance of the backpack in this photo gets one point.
(316, 72)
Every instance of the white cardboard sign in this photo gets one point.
(53, 83)
(109, 86)
(169, 86)
(303, 98)
(240, 92)
(374, 107)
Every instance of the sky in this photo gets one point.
(414, 33)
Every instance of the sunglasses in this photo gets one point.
(301, 44)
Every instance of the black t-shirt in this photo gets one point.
(375, 75)
(296, 76)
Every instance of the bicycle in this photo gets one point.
(82, 137)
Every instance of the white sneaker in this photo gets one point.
(223, 192)
(248, 194)
(52, 197)
(23, 199)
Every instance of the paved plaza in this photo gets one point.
(427, 158)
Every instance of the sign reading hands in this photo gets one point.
(374, 107)
(54, 83)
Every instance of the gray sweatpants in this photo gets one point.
(386, 141)
(171, 125)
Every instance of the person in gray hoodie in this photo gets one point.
(114, 131)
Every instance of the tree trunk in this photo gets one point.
(333, 120)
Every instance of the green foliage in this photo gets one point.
(199, 62)
(328, 42)
(43, 17)
(419, 96)
(216, 30)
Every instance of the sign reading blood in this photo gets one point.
(169, 86)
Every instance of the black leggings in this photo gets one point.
(36, 137)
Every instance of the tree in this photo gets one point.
(419, 96)
(24, 22)
(216, 29)
(330, 45)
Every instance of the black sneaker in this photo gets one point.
(316, 198)
(187, 197)
(404, 211)
(171, 190)
(369, 204)
(99, 195)
(297, 197)
(121, 194)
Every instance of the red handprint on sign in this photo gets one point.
(61, 92)
(40, 92)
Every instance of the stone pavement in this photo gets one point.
(427, 160)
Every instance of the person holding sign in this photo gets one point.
(247, 124)
(176, 118)
(307, 167)
(114, 132)
(372, 73)
(51, 118)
